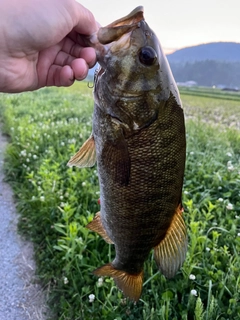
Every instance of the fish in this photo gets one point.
(138, 141)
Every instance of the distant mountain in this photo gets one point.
(218, 51)
(211, 64)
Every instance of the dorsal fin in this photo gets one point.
(171, 251)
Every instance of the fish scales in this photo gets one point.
(138, 141)
(150, 193)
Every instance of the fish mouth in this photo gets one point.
(118, 28)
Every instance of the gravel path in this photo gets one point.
(21, 297)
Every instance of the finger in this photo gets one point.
(65, 76)
(60, 76)
(74, 49)
(63, 59)
(87, 24)
(89, 55)
(80, 68)
(70, 50)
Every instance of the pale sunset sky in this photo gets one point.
(177, 23)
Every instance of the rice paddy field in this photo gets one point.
(55, 203)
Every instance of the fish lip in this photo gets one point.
(136, 14)
(120, 27)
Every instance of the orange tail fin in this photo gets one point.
(129, 284)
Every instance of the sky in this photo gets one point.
(177, 23)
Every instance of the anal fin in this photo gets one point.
(96, 226)
(171, 251)
(129, 284)
(86, 156)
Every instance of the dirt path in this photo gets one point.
(21, 298)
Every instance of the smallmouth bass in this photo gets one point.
(138, 141)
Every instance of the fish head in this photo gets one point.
(131, 57)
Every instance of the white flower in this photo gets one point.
(35, 156)
(27, 160)
(238, 234)
(62, 204)
(80, 239)
(186, 192)
(65, 280)
(33, 197)
(100, 282)
(42, 198)
(229, 154)
(229, 206)
(84, 184)
(208, 249)
(193, 292)
(192, 277)
(91, 297)
(192, 153)
(62, 143)
(220, 199)
(23, 153)
(61, 197)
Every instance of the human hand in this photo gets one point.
(42, 43)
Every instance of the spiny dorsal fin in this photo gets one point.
(96, 226)
(171, 251)
(86, 156)
(129, 284)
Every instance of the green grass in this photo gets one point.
(214, 93)
(56, 202)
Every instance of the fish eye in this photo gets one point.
(147, 55)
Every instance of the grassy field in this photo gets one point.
(210, 93)
(56, 202)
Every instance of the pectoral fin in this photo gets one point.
(96, 226)
(171, 251)
(117, 157)
(86, 156)
(129, 284)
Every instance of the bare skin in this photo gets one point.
(41, 43)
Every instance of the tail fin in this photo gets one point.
(129, 284)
